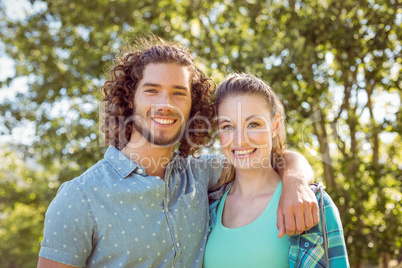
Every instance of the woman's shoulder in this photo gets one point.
(324, 242)
(322, 196)
(326, 204)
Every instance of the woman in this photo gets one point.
(252, 135)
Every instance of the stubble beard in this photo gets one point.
(160, 140)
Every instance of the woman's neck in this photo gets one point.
(251, 183)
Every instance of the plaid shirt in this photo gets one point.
(308, 249)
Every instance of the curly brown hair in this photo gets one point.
(118, 94)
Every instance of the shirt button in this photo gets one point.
(178, 244)
(140, 171)
(157, 177)
(306, 244)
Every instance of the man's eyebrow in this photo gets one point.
(147, 84)
(181, 87)
(151, 85)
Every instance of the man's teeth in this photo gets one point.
(244, 152)
(163, 121)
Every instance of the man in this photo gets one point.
(145, 205)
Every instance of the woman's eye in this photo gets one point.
(253, 125)
(150, 90)
(227, 127)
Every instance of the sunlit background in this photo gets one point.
(335, 64)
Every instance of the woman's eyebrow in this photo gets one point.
(251, 116)
(258, 117)
(224, 121)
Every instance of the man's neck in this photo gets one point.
(152, 158)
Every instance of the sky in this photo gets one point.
(17, 10)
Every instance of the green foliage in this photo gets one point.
(330, 61)
(24, 196)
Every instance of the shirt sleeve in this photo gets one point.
(208, 168)
(69, 227)
(338, 256)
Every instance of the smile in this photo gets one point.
(164, 121)
(243, 152)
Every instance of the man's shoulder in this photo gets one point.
(207, 167)
(205, 158)
(97, 169)
(203, 163)
(90, 179)
(101, 170)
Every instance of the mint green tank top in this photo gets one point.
(254, 245)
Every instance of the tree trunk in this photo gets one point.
(384, 259)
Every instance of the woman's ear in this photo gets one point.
(276, 126)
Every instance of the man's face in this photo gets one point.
(162, 103)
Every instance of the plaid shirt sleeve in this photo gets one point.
(338, 256)
(307, 249)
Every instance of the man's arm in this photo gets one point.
(67, 235)
(46, 263)
(298, 207)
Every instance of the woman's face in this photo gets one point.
(245, 131)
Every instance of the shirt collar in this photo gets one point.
(123, 165)
(176, 160)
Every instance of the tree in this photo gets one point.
(329, 61)
(24, 196)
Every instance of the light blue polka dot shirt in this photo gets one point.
(115, 215)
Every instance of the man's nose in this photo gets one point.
(164, 104)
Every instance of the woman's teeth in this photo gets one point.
(243, 152)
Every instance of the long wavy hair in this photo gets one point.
(118, 94)
(246, 84)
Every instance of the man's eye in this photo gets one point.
(179, 93)
(150, 90)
